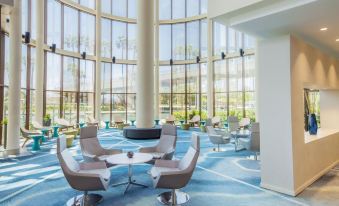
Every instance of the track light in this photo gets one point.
(242, 52)
(83, 55)
(53, 48)
(27, 37)
(198, 59)
(113, 60)
(223, 55)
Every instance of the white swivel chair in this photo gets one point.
(252, 143)
(217, 137)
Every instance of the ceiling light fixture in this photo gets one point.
(324, 29)
(337, 40)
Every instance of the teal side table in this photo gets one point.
(36, 142)
(55, 131)
(156, 122)
(202, 123)
(132, 122)
(226, 124)
(81, 125)
(182, 122)
(44, 134)
(107, 124)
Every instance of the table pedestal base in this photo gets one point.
(130, 182)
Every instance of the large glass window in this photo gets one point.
(71, 29)
(53, 23)
(87, 33)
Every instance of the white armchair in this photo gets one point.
(252, 143)
(217, 137)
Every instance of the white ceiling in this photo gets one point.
(302, 18)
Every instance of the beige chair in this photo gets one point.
(91, 148)
(244, 122)
(64, 124)
(170, 120)
(85, 177)
(166, 147)
(194, 121)
(36, 125)
(118, 121)
(217, 137)
(90, 121)
(175, 174)
(216, 121)
(27, 133)
(253, 143)
(233, 123)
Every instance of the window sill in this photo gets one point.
(322, 133)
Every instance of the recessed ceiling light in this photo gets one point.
(337, 40)
(324, 29)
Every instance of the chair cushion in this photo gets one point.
(104, 173)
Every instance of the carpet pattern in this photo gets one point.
(224, 178)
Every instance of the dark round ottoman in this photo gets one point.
(142, 133)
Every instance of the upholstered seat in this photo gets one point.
(82, 176)
(175, 174)
(217, 137)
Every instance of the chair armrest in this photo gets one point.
(92, 165)
(147, 149)
(166, 163)
(169, 154)
(88, 181)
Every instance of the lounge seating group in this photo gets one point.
(217, 137)
(93, 174)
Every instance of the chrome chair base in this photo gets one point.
(179, 198)
(90, 200)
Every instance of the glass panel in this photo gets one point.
(132, 79)
(203, 69)
(220, 82)
(70, 74)
(232, 45)
(6, 79)
(249, 73)
(203, 104)
(88, 3)
(33, 19)
(86, 106)
(165, 42)
(193, 38)
(106, 38)
(53, 104)
(178, 80)
(178, 9)
(119, 8)
(22, 107)
(105, 107)
(53, 23)
(119, 39)
(119, 78)
(193, 83)
(70, 106)
(53, 71)
(249, 42)
(219, 39)
(33, 69)
(178, 106)
(221, 105)
(71, 40)
(178, 44)
(235, 74)
(165, 9)
(132, 46)
(165, 79)
(204, 5)
(24, 66)
(203, 38)
(119, 106)
(131, 106)
(235, 104)
(87, 76)
(106, 6)
(250, 105)
(87, 33)
(192, 8)
(132, 13)
(192, 105)
(106, 77)
(24, 12)
(164, 101)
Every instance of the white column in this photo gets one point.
(39, 74)
(98, 62)
(257, 89)
(210, 69)
(156, 59)
(13, 138)
(145, 71)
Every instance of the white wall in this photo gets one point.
(329, 108)
(220, 7)
(6, 2)
(274, 102)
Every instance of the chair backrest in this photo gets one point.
(196, 118)
(168, 138)
(89, 143)
(189, 161)
(90, 119)
(245, 122)
(233, 123)
(255, 137)
(118, 119)
(216, 120)
(170, 118)
(36, 125)
(211, 130)
(209, 122)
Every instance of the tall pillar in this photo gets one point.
(210, 86)
(156, 59)
(98, 62)
(15, 55)
(39, 52)
(257, 89)
(145, 61)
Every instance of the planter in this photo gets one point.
(312, 124)
(47, 123)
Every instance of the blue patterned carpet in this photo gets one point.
(225, 178)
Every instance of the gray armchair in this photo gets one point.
(91, 148)
(217, 137)
(252, 143)
(175, 174)
(166, 147)
(82, 176)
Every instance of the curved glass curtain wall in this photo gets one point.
(69, 84)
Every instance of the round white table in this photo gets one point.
(243, 133)
(122, 159)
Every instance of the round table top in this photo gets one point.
(122, 159)
(241, 133)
